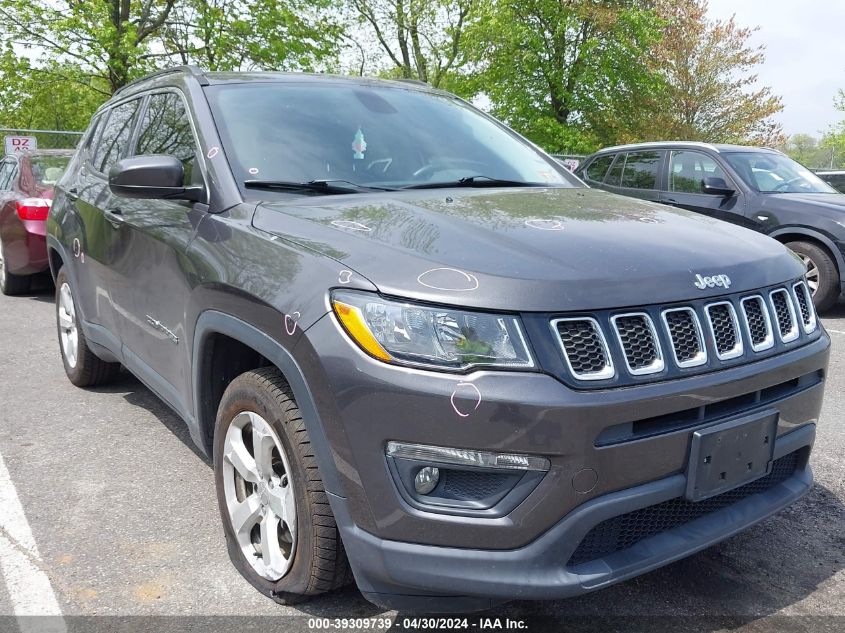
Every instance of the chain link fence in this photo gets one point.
(44, 139)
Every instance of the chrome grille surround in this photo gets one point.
(804, 301)
(768, 341)
(619, 348)
(696, 359)
(649, 347)
(608, 370)
(784, 312)
(719, 330)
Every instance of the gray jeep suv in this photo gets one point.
(419, 351)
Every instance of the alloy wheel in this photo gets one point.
(812, 274)
(260, 495)
(67, 325)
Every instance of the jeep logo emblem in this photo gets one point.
(703, 283)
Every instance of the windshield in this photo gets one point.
(367, 135)
(768, 172)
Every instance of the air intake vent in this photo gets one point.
(757, 323)
(584, 348)
(725, 330)
(686, 336)
(638, 340)
(784, 315)
(805, 306)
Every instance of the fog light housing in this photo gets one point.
(426, 480)
(461, 481)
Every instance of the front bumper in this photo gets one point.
(401, 575)
(406, 556)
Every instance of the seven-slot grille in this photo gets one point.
(722, 328)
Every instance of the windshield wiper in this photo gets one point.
(477, 181)
(317, 186)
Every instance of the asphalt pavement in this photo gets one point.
(116, 516)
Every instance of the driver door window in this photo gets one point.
(687, 170)
(166, 129)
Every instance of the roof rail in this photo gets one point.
(194, 71)
(408, 80)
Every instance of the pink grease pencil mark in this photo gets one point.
(291, 321)
(466, 386)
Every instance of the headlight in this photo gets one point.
(413, 334)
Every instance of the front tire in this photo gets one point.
(82, 366)
(280, 531)
(822, 274)
(12, 284)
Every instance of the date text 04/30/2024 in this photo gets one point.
(422, 623)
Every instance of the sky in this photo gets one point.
(805, 55)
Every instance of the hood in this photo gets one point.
(828, 204)
(528, 249)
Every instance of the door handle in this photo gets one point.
(115, 216)
(670, 201)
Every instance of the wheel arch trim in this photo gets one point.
(824, 240)
(212, 322)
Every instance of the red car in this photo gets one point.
(26, 193)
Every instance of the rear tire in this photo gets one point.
(82, 366)
(12, 284)
(822, 274)
(300, 527)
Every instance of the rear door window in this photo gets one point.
(166, 129)
(598, 168)
(115, 137)
(641, 170)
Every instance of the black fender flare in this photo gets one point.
(212, 322)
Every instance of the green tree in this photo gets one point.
(568, 74)
(105, 39)
(253, 34)
(711, 91)
(420, 39)
(58, 97)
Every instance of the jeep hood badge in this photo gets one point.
(722, 281)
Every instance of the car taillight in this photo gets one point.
(34, 208)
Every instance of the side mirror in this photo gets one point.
(716, 186)
(152, 176)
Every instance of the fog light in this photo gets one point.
(426, 480)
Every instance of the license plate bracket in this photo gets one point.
(728, 455)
